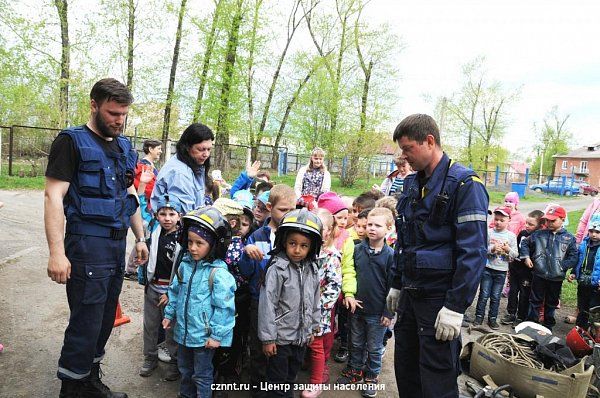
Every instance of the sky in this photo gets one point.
(549, 49)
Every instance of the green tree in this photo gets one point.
(553, 139)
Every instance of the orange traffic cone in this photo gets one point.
(120, 319)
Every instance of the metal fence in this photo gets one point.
(24, 152)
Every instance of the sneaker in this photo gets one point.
(493, 324)
(131, 276)
(342, 355)
(383, 352)
(466, 321)
(150, 363)
(350, 376)
(172, 373)
(312, 392)
(478, 321)
(370, 389)
(508, 319)
(163, 354)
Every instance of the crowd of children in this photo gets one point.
(261, 272)
(270, 274)
(537, 252)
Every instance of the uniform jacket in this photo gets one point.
(97, 201)
(443, 256)
(583, 249)
(288, 309)
(200, 312)
(178, 179)
(552, 254)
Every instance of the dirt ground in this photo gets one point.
(35, 314)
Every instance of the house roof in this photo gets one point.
(591, 151)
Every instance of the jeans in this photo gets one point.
(282, 369)
(195, 365)
(492, 282)
(366, 332)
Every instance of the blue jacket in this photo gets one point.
(552, 254)
(178, 179)
(97, 202)
(373, 278)
(442, 257)
(254, 270)
(242, 182)
(200, 312)
(583, 251)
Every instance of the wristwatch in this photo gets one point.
(140, 240)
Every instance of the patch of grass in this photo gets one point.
(15, 183)
(568, 294)
(497, 197)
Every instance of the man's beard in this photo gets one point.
(104, 128)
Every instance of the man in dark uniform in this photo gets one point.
(89, 181)
(440, 254)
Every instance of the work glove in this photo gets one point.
(447, 324)
(392, 300)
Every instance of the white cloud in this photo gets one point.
(548, 48)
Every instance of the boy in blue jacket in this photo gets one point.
(587, 273)
(201, 299)
(550, 252)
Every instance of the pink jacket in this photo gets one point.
(582, 228)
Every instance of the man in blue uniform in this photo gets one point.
(89, 181)
(440, 254)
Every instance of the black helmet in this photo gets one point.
(212, 220)
(300, 220)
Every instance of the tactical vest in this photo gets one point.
(97, 202)
(426, 235)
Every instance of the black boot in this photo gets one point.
(70, 389)
(94, 388)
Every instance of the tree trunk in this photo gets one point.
(131, 29)
(222, 139)
(292, 27)
(210, 45)
(65, 62)
(288, 109)
(249, 78)
(167, 118)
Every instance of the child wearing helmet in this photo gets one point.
(201, 299)
(288, 309)
(155, 275)
(330, 277)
